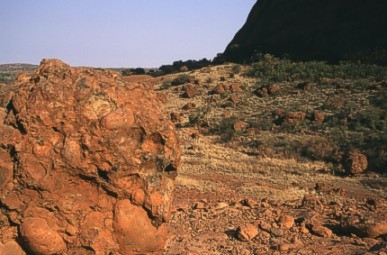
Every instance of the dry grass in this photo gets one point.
(239, 166)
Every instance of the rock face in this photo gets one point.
(87, 163)
(330, 30)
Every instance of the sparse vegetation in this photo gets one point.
(272, 69)
(236, 69)
(181, 79)
(184, 66)
(280, 98)
(133, 71)
(6, 77)
(9, 72)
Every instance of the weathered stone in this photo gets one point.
(311, 202)
(249, 202)
(370, 226)
(286, 221)
(190, 91)
(316, 228)
(277, 232)
(377, 229)
(318, 117)
(3, 114)
(41, 238)
(199, 205)
(355, 163)
(294, 118)
(221, 206)
(134, 231)
(11, 248)
(286, 246)
(189, 106)
(247, 232)
(235, 88)
(175, 117)
(240, 126)
(273, 89)
(219, 89)
(95, 161)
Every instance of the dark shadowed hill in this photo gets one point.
(331, 30)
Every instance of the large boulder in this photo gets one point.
(87, 163)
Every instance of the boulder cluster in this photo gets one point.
(87, 164)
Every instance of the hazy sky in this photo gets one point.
(117, 33)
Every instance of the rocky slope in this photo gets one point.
(252, 185)
(329, 30)
(87, 164)
(257, 173)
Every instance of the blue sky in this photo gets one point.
(118, 33)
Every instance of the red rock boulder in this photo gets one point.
(318, 117)
(355, 163)
(87, 163)
(220, 88)
(294, 118)
(240, 126)
(247, 232)
(190, 91)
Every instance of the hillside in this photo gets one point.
(330, 30)
(264, 157)
(17, 67)
(8, 72)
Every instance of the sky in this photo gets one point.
(118, 33)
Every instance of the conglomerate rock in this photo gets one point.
(87, 163)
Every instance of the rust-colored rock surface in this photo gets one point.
(240, 126)
(294, 118)
(247, 232)
(190, 91)
(87, 164)
(355, 163)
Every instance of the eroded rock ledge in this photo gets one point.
(87, 164)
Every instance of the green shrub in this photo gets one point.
(200, 117)
(181, 79)
(235, 69)
(166, 84)
(372, 119)
(380, 99)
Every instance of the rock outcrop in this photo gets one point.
(355, 163)
(330, 30)
(87, 163)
